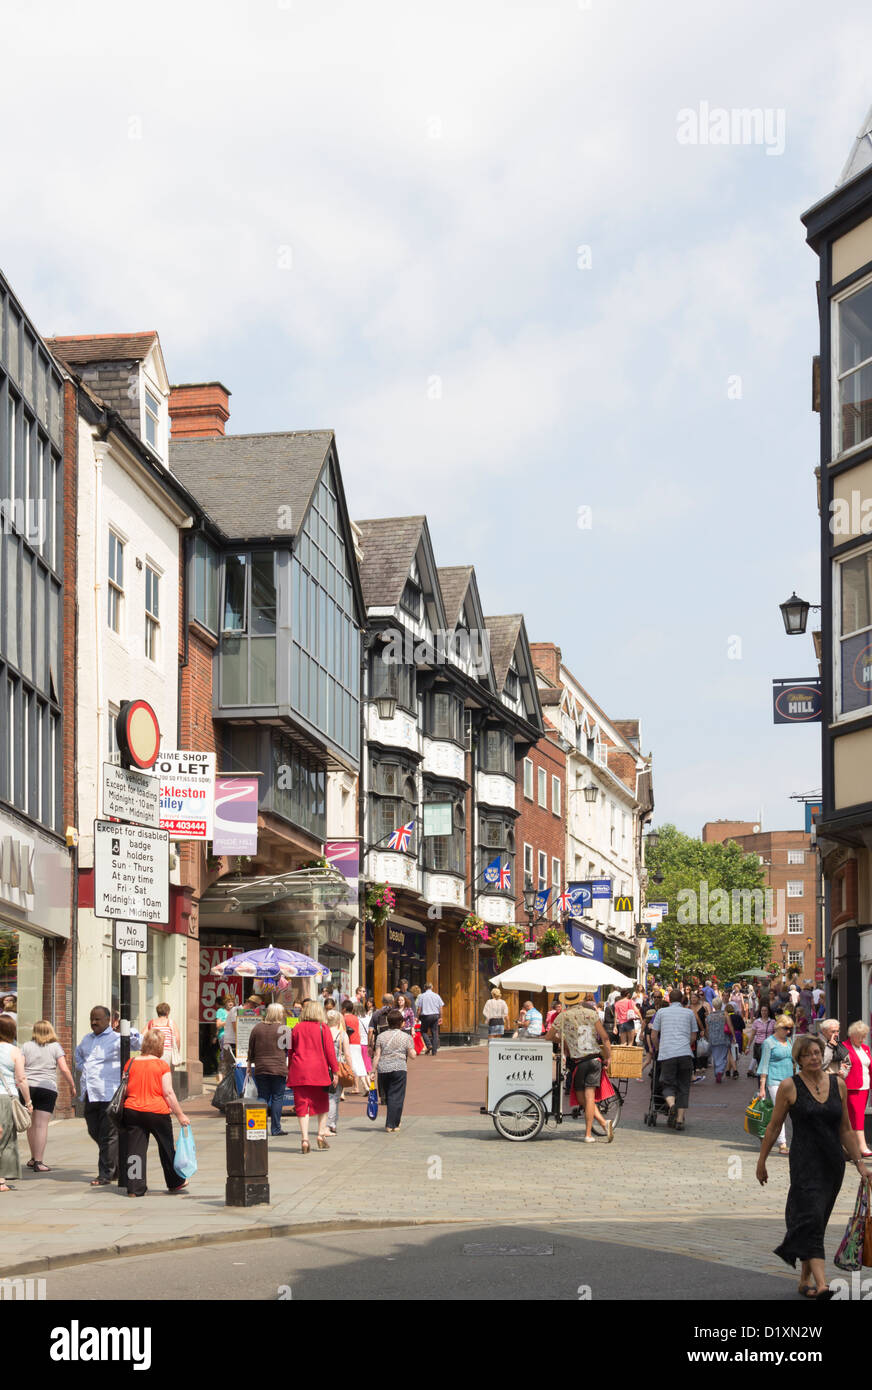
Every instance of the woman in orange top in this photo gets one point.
(150, 1101)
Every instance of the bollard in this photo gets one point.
(247, 1154)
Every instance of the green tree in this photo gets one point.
(717, 907)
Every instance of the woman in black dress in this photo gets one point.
(821, 1129)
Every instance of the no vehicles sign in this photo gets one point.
(131, 872)
(187, 794)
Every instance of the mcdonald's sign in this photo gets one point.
(623, 904)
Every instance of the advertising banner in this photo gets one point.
(235, 815)
(212, 990)
(187, 790)
(344, 855)
(798, 701)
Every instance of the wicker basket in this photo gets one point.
(626, 1062)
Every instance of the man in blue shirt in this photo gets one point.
(98, 1061)
(708, 992)
(672, 1032)
(429, 1009)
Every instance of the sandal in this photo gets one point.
(4, 1187)
(322, 1143)
(101, 1182)
(39, 1167)
(305, 1146)
(783, 1149)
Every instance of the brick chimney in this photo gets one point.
(547, 658)
(199, 411)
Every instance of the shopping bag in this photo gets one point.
(185, 1161)
(849, 1256)
(225, 1091)
(757, 1116)
(249, 1090)
(372, 1104)
(288, 1103)
(702, 1048)
(418, 1044)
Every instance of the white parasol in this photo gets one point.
(556, 974)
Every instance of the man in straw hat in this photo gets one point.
(586, 1044)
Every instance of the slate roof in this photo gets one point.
(503, 640)
(861, 153)
(102, 347)
(242, 480)
(454, 582)
(627, 728)
(388, 545)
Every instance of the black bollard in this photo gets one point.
(247, 1153)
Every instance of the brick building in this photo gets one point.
(789, 863)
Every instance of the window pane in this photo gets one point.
(263, 671)
(855, 407)
(12, 598)
(857, 593)
(26, 653)
(263, 594)
(234, 593)
(234, 673)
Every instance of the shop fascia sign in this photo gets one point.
(17, 859)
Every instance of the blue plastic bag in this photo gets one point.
(185, 1161)
(372, 1104)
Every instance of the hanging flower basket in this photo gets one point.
(473, 929)
(380, 903)
(554, 942)
(509, 943)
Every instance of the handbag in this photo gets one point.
(21, 1116)
(851, 1252)
(115, 1108)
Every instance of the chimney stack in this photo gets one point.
(199, 411)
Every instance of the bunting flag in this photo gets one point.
(401, 837)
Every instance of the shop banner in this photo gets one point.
(236, 799)
(585, 943)
(187, 791)
(813, 809)
(344, 855)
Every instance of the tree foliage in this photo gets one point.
(716, 903)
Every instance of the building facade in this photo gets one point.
(839, 231)
(37, 675)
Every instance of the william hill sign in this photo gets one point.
(797, 701)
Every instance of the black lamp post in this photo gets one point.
(530, 908)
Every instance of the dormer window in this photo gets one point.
(152, 420)
(410, 600)
(512, 683)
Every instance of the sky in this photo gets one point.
(490, 248)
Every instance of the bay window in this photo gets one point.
(852, 609)
(852, 393)
(393, 800)
(446, 853)
(497, 752)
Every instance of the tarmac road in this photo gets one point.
(464, 1262)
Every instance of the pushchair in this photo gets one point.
(656, 1103)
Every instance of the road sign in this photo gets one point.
(255, 1124)
(131, 936)
(129, 965)
(131, 872)
(137, 733)
(129, 795)
(187, 794)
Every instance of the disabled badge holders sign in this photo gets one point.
(255, 1123)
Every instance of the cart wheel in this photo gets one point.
(653, 1121)
(519, 1115)
(611, 1109)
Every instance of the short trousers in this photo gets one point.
(43, 1098)
(627, 1028)
(587, 1072)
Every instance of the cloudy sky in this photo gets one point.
(476, 242)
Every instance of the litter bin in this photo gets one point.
(247, 1153)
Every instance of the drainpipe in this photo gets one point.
(99, 448)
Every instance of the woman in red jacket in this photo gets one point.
(857, 1082)
(312, 1065)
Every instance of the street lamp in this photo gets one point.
(652, 839)
(386, 706)
(530, 895)
(591, 793)
(794, 611)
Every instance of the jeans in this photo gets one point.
(272, 1090)
(394, 1085)
(105, 1136)
(333, 1108)
(139, 1125)
(772, 1088)
(430, 1031)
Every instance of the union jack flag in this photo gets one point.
(401, 837)
(505, 876)
(564, 902)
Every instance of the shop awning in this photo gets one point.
(312, 888)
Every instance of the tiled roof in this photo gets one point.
(503, 640)
(102, 347)
(253, 486)
(388, 545)
(454, 582)
(549, 695)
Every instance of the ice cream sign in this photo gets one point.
(187, 794)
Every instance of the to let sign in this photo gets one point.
(187, 794)
(131, 872)
(129, 795)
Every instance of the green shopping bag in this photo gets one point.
(757, 1116)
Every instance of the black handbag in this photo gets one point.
(115, 1108)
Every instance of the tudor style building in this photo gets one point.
(839, 230)
(450, 705)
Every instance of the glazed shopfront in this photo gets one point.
(34, 924)
(406, 950)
